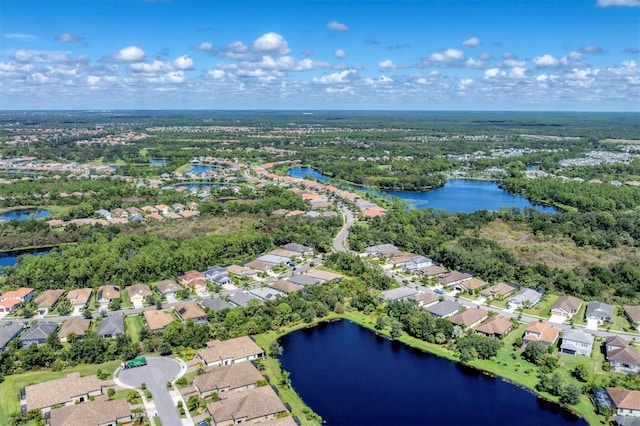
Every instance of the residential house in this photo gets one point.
(576, 342)
(242, 271)
(273, 259)
(138, 293)
(469, 318)
(23, 294)
(267, 293)
(168, 288)
(111, 326)
(8, 332)
(416, 263)
(216, 304)
(149, 209)
(9, 305)
(633, 314)
(103, 213)
(79, 298)
(217, 275)
(195, 280)
(625, 402)
(472, 285)
(118, 212)
(227, 352)
(602, 312)
(303, 280)
(527, 297)
(133, 211)
(240, 298)
(157, 320)
(227, 378)
(177, 207)
(499, 290)
(540, 332)
(162, 209)
(425, 299)
(191, 311)
(100, 412)
(286, 286)
(454, 278)
(431, 271)
(37, 333)
(622, 357)
(324, 275)
(77, 326)
(47, 300)
(382, 250)
(251, 406)
(495, 326)
(399, 293)
(444, 309)
(68, 390)
(107, 293)
(566, 306)
(284, 253)
(299, 248)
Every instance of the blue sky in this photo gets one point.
(320, 54)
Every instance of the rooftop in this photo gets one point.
(59, 391)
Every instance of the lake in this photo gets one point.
(24, 214)
(350, 376)
(457, 195)
(10, 258)
(199, 169)
(159, 162)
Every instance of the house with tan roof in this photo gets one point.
(149, 209)
(259, 265)
(47, 300)
(195, 280)
(431, 271)
(633, 314)
(425, 299)
(622, 357)
(500, 289)
(157, 320)
(241, 271)
(626, 402)
(286, 286)
(168, 288)
(251, 406)
(454, 278)
(79, 298)
(100, 412)
(162, 208)
(324, 275)
(191, 311)
(227, 378)
(226, 352)
(138, 293)
(68, 390)
(540, 332)
(566, 306)
(471, 285)
(107, 293)
(495, 326)
(469, 318)
(23, 294)
(77, 326)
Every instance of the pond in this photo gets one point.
(457, 195)
(10, 258)
(24, 214)
(349, 376)
(199, 169)
(159, 162)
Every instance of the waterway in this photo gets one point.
(10, 258)
(457, 195)
(350, 376)
(24, 214)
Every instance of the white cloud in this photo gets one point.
(23, 55)
(336, 77)
(626, 3)
(20, 36)
(471, 42)
(183, 63)
(446, 55)
(545, 61)
(513, 63)
(337, 26)
(130, 54)
(205, 46)
(474, 63)
(575, 55)
(340, 54)
(69, 38)
(493, 72)
(216, 74)
(272, 44)
(387, 64)
(156, 67)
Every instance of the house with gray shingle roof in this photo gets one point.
(576, 342)
(8, 333)
(444, 309)
(304, 280)
(622, 357)
(241, 298)
(602, 312)
(111, 326)
(633, 314)
(399, 293)
(38, 333)
(526, 297)
(216, 304)
(298, 248)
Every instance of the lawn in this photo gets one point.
(133, 325)
(10, 388)
(125, 302)
(543, 308)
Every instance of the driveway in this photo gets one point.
(592, 324)
(155, 375)
(557, 319)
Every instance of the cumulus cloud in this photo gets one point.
(387, 64)
(26, 56)
(69, 38)
(205, 46)
(337, 26)
(625, 3)
(471, 42)
(446, 55)
(545, 61)
(20, 36)
(272, 44)
(340, 54)
(183, 63)
(341, 77)
(130, 54)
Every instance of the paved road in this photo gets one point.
(339, 242)
(155, 375)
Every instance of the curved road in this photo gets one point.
(339, 242)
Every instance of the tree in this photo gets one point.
(53, 341)
(396, 329)
(64, 306)
(570, 394)
(275, 349)
(535, 352)
(581, 372)
(285, 380)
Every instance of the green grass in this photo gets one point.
(543, 308)
(133, 325)
(621, 323)
(10, 388)
(125, 302)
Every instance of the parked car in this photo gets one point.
(439, 291)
